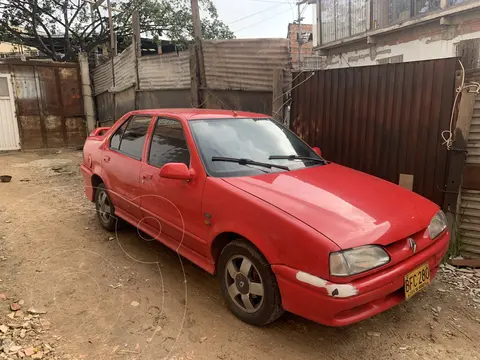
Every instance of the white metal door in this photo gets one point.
(9, 136)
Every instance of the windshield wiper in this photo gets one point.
(296, 157)
(249, 162)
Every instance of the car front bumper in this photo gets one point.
(372, 294)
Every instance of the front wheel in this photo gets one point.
(248, 284)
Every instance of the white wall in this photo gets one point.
(421, 49)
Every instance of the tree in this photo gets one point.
(63, 28)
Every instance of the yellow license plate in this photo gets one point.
(416, 280)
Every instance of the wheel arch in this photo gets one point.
(96, 181)
(224, 238)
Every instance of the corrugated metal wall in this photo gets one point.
(239, 74)
(385, 120)
(469, 216)
(102, 78)
(244, 64)
(124, 68)
(170, 71)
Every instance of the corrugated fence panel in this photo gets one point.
(102, 78)
(244, 63)
(124, 66)
(164, 72)
(470, 198)
(470, 224)
(385, 120)
(473, 144)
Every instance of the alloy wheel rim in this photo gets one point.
(244, 284)
(104, 208)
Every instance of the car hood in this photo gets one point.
(349, 207)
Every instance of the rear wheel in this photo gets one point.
(105, 209)
(248, 284)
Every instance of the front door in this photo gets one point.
(9, 135)
(172, 207)
(121, 164)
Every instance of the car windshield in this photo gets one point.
(256, 140)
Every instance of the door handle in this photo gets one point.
(106, 158)
(146, 178)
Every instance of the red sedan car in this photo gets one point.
(241, 196)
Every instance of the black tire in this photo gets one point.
(270, 307)
(110, 222)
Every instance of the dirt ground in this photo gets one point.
(123, 297)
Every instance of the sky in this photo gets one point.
(260, 18)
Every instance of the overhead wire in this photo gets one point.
(253, 14)
(261, 21)
(273, 1)
(289, 90)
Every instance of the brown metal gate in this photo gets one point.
(385, 120)
(48, 102)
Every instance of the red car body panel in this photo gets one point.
(342, 203)
(296, 219)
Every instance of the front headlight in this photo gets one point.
(357, 260)
(437, 225)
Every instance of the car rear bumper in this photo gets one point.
(322, 302)
(87, 179)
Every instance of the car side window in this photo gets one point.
(168, 144)
(117, 137)
(133, 138)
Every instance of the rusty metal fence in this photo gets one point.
(48, 103)
(385, 120)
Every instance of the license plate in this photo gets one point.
(416, 280)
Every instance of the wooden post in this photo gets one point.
(451, 202)
(137, 52)
(136, 33)
(277, 95)
(194, 90)
(88, 103)
(113, 45)
(200, 70)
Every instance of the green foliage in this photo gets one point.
(63, 28)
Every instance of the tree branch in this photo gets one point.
(48, 51)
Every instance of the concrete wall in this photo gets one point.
(423, 42)
(173, 98)
(255, 101)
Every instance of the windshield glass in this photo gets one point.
(253, 139)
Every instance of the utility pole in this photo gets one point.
(197, 33)
(299, 36)
(197, 27)
(113, 41)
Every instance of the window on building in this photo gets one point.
(391, 60)
(343, 18)
(389, 12)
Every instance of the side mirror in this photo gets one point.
(317, 150)
(177, 171)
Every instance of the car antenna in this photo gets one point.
(223, 102)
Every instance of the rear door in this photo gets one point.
(121, 163)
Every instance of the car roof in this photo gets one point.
(199, 114)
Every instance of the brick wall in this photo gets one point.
(307, 48)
